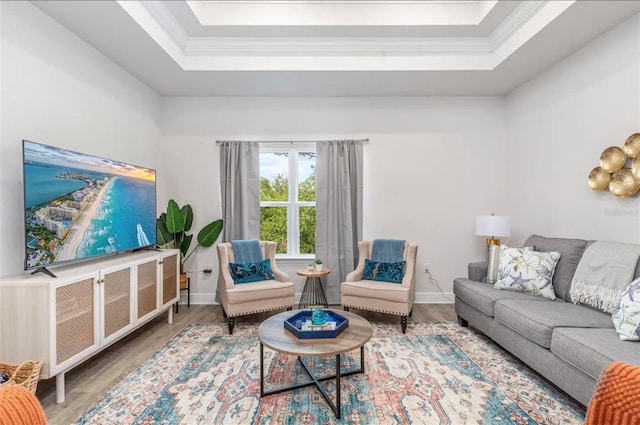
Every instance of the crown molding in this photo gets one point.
(342, 53)
(159, 11)
(515, 20)
(203, 46)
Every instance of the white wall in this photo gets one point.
(429, 167)
(558, 125)
(56, 89)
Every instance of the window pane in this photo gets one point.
(307, 230)
(306, 176)
(274, 176)
(273, 226)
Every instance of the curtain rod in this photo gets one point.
(291, 141)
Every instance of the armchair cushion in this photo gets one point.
(384, 272)
(251, 272)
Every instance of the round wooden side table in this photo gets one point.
(312, 293)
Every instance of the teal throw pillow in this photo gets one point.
(384, 272)
(251, 272)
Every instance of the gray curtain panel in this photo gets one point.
(338, 209)
(240, 190)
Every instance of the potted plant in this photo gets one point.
(318, 265)
(172, 228)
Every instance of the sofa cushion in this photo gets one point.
(536, 321)
(376, 290)
(570, 253)
(259, 291)
(483, 295)
(591, 350)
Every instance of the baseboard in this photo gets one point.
(434, 298)
(421, 298)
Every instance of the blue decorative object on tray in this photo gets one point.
(310, 324)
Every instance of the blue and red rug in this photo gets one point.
(437, 373)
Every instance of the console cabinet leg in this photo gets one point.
(60, 388)
(170, 316)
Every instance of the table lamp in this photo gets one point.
(493, 226)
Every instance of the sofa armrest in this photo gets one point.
(478, 271)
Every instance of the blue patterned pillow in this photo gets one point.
(251, 272)
(384, 272)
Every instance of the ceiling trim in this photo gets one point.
(339, 12)
(341, 53)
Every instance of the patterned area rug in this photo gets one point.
(438, 373)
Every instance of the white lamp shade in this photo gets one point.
(498, 226)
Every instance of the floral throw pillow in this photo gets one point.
(527, 271)
(251, 272)
(626, 313)
(495, 252)
(384, 272)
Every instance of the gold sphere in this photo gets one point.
(635, 167)
(632, 145)
(623, 184)
(599, 179)
(612, 159)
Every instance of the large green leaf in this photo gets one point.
(209, 233)
(186, 243)
(175, 221)
(187, 215)
(163, 236)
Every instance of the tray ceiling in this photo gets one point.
(336, 48)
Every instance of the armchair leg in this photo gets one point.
(411, 312)
(403, 324)
(231, 322)
(224, 313)
(345, 308)
(289, 308)
(462, 322)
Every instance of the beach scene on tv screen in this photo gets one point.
(80, 206)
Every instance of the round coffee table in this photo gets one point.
(273, 335)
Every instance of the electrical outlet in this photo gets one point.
(426, 268)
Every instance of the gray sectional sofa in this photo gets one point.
(568, 344)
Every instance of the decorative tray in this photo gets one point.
(298, 324)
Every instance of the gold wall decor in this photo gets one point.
(599, 179)
(612, 159)
(632, 145)
(612, 174)
(623, 184)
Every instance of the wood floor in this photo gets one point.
(88, 383)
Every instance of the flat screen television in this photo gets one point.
(79, 206)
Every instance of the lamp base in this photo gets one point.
(491, 241)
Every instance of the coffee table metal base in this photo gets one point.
(314, 381)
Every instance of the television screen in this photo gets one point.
(80, 206)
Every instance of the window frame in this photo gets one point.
(292, 205)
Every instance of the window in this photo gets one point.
(288, 197)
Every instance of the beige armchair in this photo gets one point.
(253, 297)
(391, 298)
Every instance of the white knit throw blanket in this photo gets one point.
(604, 271)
